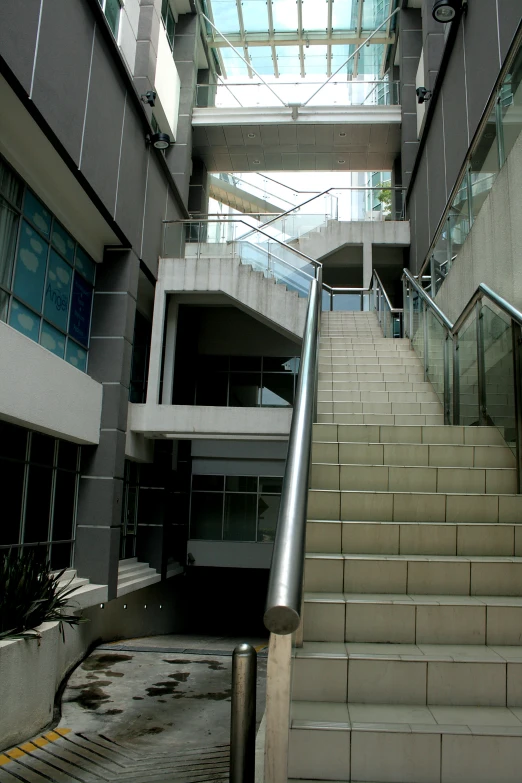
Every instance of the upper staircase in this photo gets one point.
(411, 665)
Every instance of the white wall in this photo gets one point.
(167, 85)
(40, 391)
(128, 32)
(189, 421)
(231, 554)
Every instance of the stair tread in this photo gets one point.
(470, 653)
(411, 598)
(432, 718)
(416, 558)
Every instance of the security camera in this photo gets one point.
(149, 97)
(422, 94)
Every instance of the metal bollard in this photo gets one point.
(243, 715)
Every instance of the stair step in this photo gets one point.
(400, 743)
(419, 574)
(413, 506)
(412, 619)
(436, 455)
(432, 435)
(432, 674)
(414, 538)
(409, 477)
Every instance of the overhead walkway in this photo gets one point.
(228, 191)
(333, 138)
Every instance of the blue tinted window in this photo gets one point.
(30, 267)
(52, 339)
(81, 301)
(63, 242)
(37, 213)
(85, 265)
(58, 291)
(76, 355)
(24, 320)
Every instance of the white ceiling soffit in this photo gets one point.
(181, 6)
(33, 156)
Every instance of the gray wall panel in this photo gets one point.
(131, 185)
(455, 115)
(422, 228)
(59, 92)
(481, 58)
(154, 213)
(18, 37)
(509, 18)
(103, 125)
(436, 174)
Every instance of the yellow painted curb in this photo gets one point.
(29, 747)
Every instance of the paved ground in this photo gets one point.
(148, 709)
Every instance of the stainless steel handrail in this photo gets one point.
(481, 291)
(312, 261)
(387, 298)
(422, 293)
(285, 588)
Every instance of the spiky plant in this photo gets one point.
(31, 595)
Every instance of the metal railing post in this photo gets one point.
(447, 391)
(456, 380)
(243, 715)
(516, 334)
(481, 366)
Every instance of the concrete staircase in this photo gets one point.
(250, 289)
(85, 593)
(334, 234)
(411, 666)
(133, 575)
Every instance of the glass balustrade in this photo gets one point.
(340, 93)
(468, 373)
(436, 338)
(498, 367)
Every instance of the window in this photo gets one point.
(46, 279)
(235, 508)
(39, 484)
(112, 10)
(168, 21)
(246, 381)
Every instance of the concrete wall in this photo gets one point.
(483, 38)
(491, 252)
(32, 671)
(42, 392)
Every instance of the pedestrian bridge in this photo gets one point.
(305, 138)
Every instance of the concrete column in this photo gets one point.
(410, 25)
(179, 156)
(147, 47)
(101, 482)
(170, 351)
(156, 344)
(367, 264)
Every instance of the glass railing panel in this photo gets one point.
(498, 364)
(326, 301)
(511, 106)
(468, 373)
(367, 302)
(484, 164)
(436, 340)
(418, 326)
(341, 93)
(293, 279)
(458, 220)
(347, 302)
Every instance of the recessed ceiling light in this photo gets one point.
(342, 134)
(256, 162)
(341, 161)
(251, 135)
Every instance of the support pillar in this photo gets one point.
(170, 350)
(156, 344)
(102, 469)
(367, 264)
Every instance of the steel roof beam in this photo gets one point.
(312, 39)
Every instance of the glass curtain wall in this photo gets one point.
(39, 478)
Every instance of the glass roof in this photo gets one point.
(299, 38)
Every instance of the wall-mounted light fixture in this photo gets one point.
(445, 11)
(159, 140)
(423, 94)
(149, 97)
